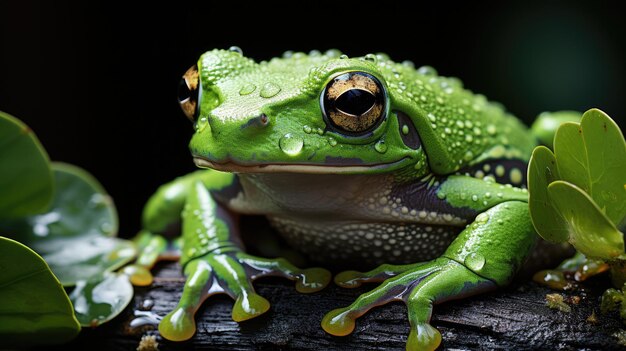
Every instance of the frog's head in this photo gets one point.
(316, 113)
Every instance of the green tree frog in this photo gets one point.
(356, 161)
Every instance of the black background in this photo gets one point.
(97, 82)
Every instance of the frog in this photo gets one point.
(355, 161)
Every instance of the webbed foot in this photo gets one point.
(419, 285)
(484, 255)
(232, 272)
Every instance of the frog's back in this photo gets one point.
(458, 128)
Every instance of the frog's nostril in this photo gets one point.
(189, 92)
(261, 120)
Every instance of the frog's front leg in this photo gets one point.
(484, 256)
(215, 263)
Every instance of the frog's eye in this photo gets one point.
(354, 102)
(188, 93)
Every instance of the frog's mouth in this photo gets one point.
(232, 166)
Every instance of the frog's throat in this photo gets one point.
(230, 166)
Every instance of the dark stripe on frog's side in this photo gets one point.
(412, 138)
(228, 192)
(490, 168)
(418, 195)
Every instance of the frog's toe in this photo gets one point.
(339, 322)
(178, 325)
(307, 280)
(423, 337)
(249, 305)
(151, 247)
(354, 279)
(138, 275)
(578, 266)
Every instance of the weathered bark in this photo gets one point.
(514, 318)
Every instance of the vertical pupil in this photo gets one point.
(355, 101)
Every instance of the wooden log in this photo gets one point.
(513, 318)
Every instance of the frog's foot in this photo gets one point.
(420, 286)
(151, 249)
(578, 267)
(232, 273)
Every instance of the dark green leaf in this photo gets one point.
(98, 301)
(74, 236)
(34, 308)
(26, 184)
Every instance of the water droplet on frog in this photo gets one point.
(408, 63)
(236, 49)
(371, 58)
(332, 142)
(287, 54)
(290, 144)
(427, 71)
(482, 218)
(201, 124)
(332, 53)
(474, 261)
(307, 129)
(381, 146)
(474, 197)
(247, 89)
(315, 53)
(343, 57)
(269, 89)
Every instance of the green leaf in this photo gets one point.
(34, 308)
(589, 229)
(98, 301)
(592, 156)
(542, 170)
(26, 184)
(83, 258)
(74, 235)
